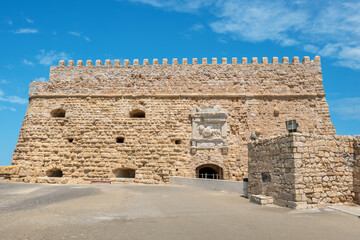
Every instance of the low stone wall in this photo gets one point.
(302, 171)
(211, 184)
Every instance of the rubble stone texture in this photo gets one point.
(357, 170)
(305, 170)
(123, 121)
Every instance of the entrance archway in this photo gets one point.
(209, 171)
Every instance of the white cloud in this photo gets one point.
(7, 108)
(177, 5)
(50, 57)
(349, 57)
(330, 28)
(12, 99)
(257, 21)
(196, 27)
(78, 34)
(29, 20)
(311, 48)
(26, 30)
(41, 79)
(10, 22)
(27, 62)
(347, 108)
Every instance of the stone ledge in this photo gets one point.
(261, 199)
(209, 95)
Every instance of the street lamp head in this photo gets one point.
(291, 126)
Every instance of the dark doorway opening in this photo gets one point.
(209, 171)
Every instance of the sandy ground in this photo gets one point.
(133, 211)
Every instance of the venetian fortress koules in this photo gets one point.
(145, 123)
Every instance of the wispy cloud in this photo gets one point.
(7, 108)
(329, 28)
(78, 34)
(178, 5)
(26, 31)
(196, 27)
(256, 21)
(41, 79)
(50, 57)
(29, 20)
(27, 62)
(12, 99)
(10, 22)
(347, 108)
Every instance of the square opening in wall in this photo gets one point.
(70, 140)
(265, 177)
(177, 141)
(120, 140)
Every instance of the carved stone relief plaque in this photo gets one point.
(209, 128)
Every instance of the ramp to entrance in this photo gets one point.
(210, 184)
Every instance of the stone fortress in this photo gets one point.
(144, 123)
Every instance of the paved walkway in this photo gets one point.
(353, 210)
(130, 211)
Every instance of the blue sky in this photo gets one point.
(36, 34)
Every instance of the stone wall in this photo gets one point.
(305, 170)
(97, 102)
(272, 169)
(182, 80)
(6, 172)
(357, 170)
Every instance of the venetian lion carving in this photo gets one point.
(207, 132)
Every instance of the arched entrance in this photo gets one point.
(210, 171)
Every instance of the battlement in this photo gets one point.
(175, 61)
(213, 79)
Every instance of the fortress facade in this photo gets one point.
(145, 122)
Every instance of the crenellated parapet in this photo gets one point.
(184, 61)
(235, 78)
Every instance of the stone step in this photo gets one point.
(261, 199)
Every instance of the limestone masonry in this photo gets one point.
(302, 170)
(144, 123)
